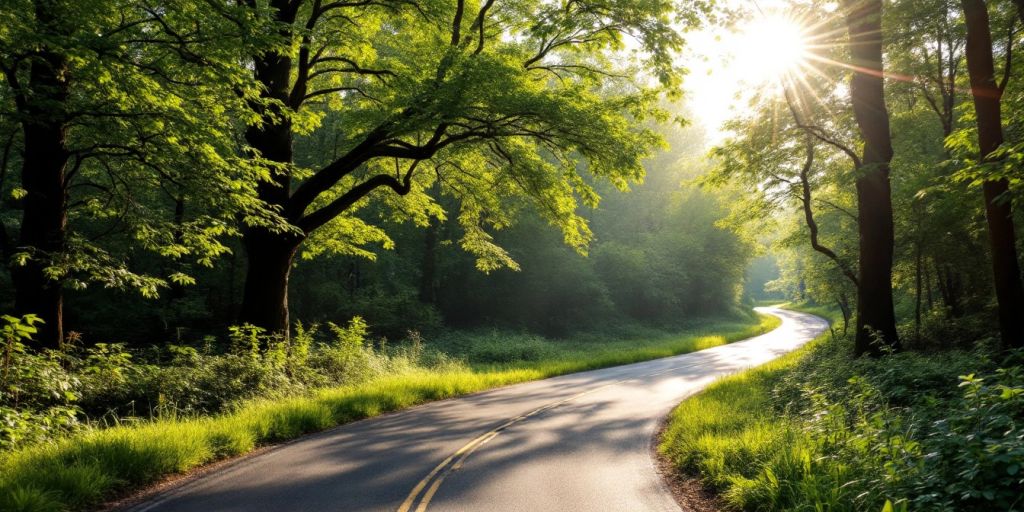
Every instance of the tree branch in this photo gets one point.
(820, 133)
(1008, 65)
(812, 225)
(324, 215)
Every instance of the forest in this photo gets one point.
(228, 223)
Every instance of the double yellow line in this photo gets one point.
(433, 480)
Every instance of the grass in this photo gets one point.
(83, 470)
(819, 429)
(730, 433)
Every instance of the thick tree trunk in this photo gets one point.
(1005, 266)
(265, 298)
(876, 319)
(44, 207)
(270, 254)
(1002, 237)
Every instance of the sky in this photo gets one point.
(726, 64)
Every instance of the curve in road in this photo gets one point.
(575, 442)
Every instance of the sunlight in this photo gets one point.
(756, 56)
(769, 49)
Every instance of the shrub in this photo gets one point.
(504, 348)
(37, 395)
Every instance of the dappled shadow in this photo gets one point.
(592, 450)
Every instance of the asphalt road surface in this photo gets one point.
(579, 442)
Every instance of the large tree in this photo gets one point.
(484, 102)
(987, 94)
(116, 118)
(876, 317)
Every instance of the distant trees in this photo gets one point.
(658, 257)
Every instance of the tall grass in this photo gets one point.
(83, 470)
(731, 435)
(819, 429)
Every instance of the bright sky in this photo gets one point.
(727, 64)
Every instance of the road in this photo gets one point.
(579, 442)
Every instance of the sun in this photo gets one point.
(768, 49)
(730, 65)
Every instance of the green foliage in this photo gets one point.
(154, 95)
(37, 394)
(356, 381)
(818, 429)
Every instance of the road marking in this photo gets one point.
(433, 480)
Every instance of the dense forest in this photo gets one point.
(210, 206)
(165, 162)
(420, 279)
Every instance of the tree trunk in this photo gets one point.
(43, 176)
(918, 278)
(177, 291)
(1002, 237)
(844, 307)
(270, 254)
(949, 290)
(875, 314)
(428, 268)
(928, 287)
(265, 297)
(1005, 267)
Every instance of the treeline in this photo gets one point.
(657, 257)
(194, 153)
(923, 166)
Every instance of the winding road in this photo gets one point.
(579, 442)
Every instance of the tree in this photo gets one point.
(121, 118)
(876, 317)
(489, 101)
(987, 94)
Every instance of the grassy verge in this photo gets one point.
(729, 433)
(83, 470)
(818, 429)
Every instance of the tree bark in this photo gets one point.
(918, 278)
(875, 314)
(44, 177)
(270, 254)
(265, 296)
(428, 267)
(928, 286)
(1002, 236)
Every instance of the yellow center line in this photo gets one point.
(439, 473)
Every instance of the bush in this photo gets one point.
(505, 348)
(37, 395)
(44, 394)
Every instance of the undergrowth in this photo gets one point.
(268, 391)
(820, 430)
